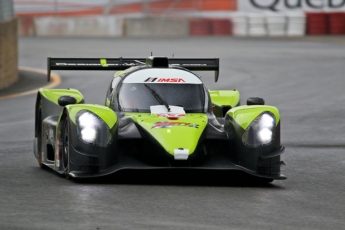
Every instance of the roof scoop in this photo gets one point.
(157, 62)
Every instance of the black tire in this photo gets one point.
(65, 148)
(39, 139)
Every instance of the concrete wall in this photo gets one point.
(90, 26)
(103, 26)
(156, 27)
(8, 53)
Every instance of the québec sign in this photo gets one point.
(291, 5)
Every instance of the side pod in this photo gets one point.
(257, 147)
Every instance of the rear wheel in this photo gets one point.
(65, 149)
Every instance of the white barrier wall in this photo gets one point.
(239, 24)
(290, 5)
(256, 25)
(97, 26)
(299, 18)
(296, 24)
(269, 24)
(109, 26)
(276, 24)
(157, 27)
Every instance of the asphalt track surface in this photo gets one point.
(304, 79)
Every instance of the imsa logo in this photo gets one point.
(150, 79)
(168, 80)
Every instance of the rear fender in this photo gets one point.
(223, 100)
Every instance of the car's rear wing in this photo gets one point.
(193, 64)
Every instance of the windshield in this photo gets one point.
(136, 97)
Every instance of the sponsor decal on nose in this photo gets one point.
(169, 124)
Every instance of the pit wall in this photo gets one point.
(224, 24)
(8, 52)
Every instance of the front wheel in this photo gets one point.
(38, 143)
(65, 148)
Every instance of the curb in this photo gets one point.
(55, 80)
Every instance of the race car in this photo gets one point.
(157, 114)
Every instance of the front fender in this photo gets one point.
(259, 159)
(85, 156)
(244, 115)
(103, 112)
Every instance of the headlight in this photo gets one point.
(261, 131)
(92, 129)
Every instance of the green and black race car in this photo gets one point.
(157, 115)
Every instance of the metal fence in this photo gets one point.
(6, 10)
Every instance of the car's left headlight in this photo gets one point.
(92, 129)
(261, 131)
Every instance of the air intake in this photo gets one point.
(157, 62)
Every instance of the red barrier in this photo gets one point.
(316, 23)
(221, 26)
(26, 26)
(199, 27)
(336, 22)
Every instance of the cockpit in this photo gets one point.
(147, 87)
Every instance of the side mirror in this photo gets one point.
(66, 100)
(255, 101)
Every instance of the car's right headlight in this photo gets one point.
(91, 129)
(261, 131)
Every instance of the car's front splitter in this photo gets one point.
(217, 163)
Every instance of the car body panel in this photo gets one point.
(244, 115)
(223, 100)
(54, 94)
(105, 113)
(173, 134)
(225, 97)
